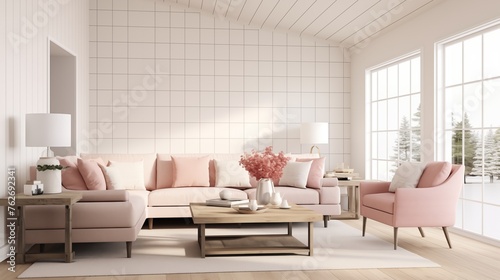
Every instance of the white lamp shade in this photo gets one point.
(314, 133)
(48, 130)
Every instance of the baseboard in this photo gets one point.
(475, 236)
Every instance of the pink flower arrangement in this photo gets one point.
(264, 165)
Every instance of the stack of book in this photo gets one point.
(226, 202)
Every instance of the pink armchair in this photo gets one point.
(431, 204)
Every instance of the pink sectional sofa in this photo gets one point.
(164, 200)
(116, 201)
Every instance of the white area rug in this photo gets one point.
(167, 251)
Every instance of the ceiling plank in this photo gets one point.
(263, 12)
(277, 15)
(339, 22)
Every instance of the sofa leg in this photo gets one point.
(421, 231)
(150, 223)
(326, 218)
(395, 238)
(129, 249)
(445, 230)
(364, 225)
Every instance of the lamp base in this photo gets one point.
(312, 148)
(51, 179)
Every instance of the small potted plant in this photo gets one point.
(48, 170)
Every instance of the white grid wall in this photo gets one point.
(168, 80)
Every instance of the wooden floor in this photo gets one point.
(469, 259)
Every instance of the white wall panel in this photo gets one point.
(27, 26)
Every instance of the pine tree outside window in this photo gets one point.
(394, 116)
(468, 126)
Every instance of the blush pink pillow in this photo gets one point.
(92, 174)
(316, 172)
(435, 173)
(191, 172)
(71, 177)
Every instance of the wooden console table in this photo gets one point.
(352, 212)
(67, 199)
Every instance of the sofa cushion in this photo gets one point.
(380, 201)
(119, 214)
(295, 174)
(316, 172)
(191, 171)
(70, 176)
(292, 195)
(112, 177)
(229, 173)
(92, 174)
(407, 176)
(184, 196)
(149, 161)
(126, 175)
(435, 173)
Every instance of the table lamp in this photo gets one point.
(314, 133)
(48, 130)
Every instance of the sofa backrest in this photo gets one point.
(149, 161)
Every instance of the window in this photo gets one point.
(394, 116)
(468, 125)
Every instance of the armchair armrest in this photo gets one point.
(434, 206)
(372, 187)
(103, 196)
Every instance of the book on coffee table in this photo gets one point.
(226, 202)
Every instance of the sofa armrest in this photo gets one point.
(329, 182)
(102, 196)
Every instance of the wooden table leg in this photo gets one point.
(310, 240)
(201, 236)
(290, 229)
(20, 235)
(68, 245)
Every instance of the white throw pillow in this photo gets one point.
(131, 174)
(112, 176)
(407, 175)
(229, 173)
(295, 174)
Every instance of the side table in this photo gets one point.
(67, 199)
(352, 212)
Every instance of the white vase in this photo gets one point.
(51, 179)
(265, 190)
(276, 199)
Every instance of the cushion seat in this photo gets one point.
(293, 195)
(182, 196)
(87, 215)
(380, 201)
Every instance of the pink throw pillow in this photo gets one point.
(71, 177)
(92, 174)
(191, 172)
(316, 172)
(435, 173)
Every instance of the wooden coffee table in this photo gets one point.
(253, 244)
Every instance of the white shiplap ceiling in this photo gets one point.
(346, 23)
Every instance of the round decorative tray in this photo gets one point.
(244, 209)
